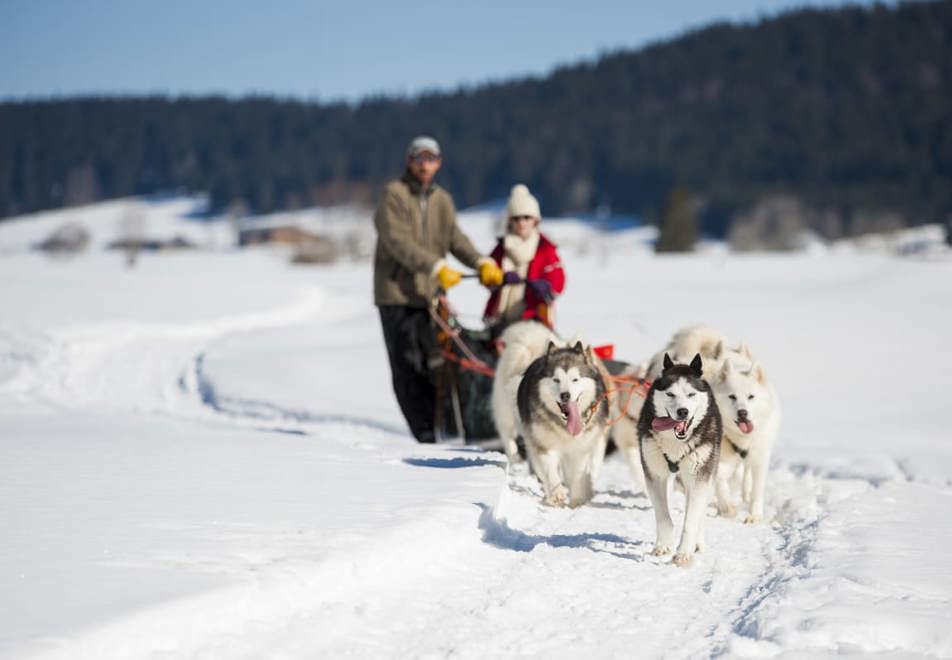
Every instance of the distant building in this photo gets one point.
(285, 234)
(151, 244)
(308, 248)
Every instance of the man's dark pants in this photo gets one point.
(411, 342)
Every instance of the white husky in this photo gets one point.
(751, 414)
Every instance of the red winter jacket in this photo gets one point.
(545, 265)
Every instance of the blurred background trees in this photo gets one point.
(848, 111)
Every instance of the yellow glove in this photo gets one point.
(448, 277)
(490, 274)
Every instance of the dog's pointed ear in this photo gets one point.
(551, 347)
(744, 350)
(667, 363)
(696, 365)
(725, 371)
(579, 347)
(757, 371)
(718, 350)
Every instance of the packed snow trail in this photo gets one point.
(488, 563)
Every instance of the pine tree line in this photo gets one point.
(848, 109)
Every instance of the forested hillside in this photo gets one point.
(849, 110)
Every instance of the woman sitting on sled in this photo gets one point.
(533, 271)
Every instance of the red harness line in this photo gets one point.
(470, 365)
(473, 363)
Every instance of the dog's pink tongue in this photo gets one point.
(745, 426)
(663, 423)
(574, 423)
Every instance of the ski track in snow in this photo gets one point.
(602, 586)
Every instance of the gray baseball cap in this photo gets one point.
(423, 143)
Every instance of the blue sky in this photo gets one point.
(325, 50)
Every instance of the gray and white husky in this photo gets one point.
(523, 342)
(679, 431)
(563, 417)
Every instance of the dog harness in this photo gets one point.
(672, 465)
(675, 466)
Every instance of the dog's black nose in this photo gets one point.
(742, 414)
(682, 413)
(565, 396)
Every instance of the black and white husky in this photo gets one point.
(679, 432)
(563, 417)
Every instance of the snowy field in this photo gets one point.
(201, 457)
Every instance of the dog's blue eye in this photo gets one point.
(732, 397)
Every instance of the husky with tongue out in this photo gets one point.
(679, 432)
(563, 415)
(751, 412)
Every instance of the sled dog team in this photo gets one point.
(707, 424)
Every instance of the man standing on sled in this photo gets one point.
(533, 271)
(416, 228)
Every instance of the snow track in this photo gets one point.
(131, 366)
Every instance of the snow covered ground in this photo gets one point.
(201, 457)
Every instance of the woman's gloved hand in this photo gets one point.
(542, 289)
(511, 277)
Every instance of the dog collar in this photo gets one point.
(742, 452)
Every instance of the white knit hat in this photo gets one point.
(521, 202)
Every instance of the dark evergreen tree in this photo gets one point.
(679, 223)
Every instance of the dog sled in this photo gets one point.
(464, 372)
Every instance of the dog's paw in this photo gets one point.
(683, 560)
(558, 497)
(726, 510)
(752, 518)
(584, 498)
(659, 550)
